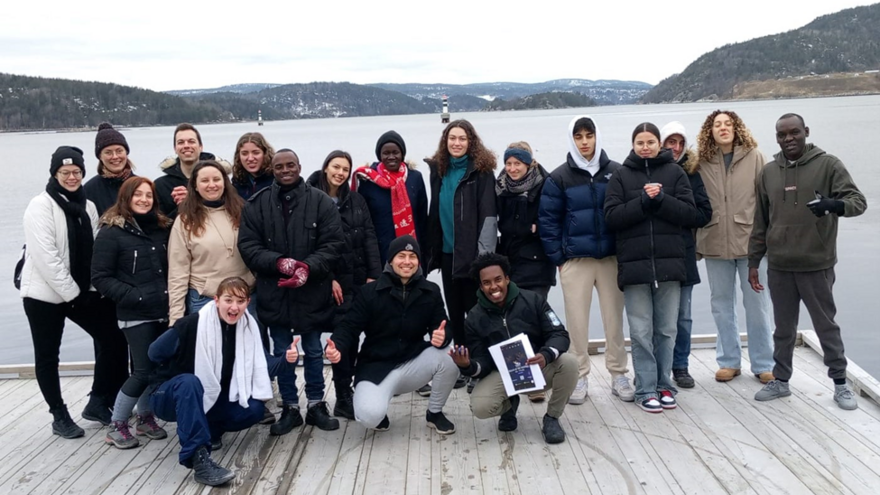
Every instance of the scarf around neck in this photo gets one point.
(80, 237)
(529, 181)
(395, 182)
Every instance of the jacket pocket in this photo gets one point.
(742, 231)
(707, 238)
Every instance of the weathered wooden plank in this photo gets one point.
(811, 364)
(421, 461)
(386, 469)
(497, 468)
(862, 381)
(348, 464)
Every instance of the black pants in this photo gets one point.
(787, 290)
(460, 295)
(343, 371)
(97, 316)
(544, 290)
(139, 339)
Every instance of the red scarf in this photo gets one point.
(401, 209)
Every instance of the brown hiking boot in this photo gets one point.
(727, 374)
(765, 377)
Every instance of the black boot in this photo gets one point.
(97, 410)
(319, 416)
(206, 471)
(508, 420)
(63, 424)
(682, 378)
(344, 407)
(552, 430)
(290, 419)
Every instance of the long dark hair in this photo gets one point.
(194, 214)
(322, 178)
(483, 159)
(122, 208)
(238, 170)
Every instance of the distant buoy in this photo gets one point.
(444, 117)
(259, 117)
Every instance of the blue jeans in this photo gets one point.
(313, 364)
(722, 285)
(652, 315)
(685, 324)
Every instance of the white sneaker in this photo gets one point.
(621, 388)
(579, 396)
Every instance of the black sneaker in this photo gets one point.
(471, 384)
(344, 407)
(319, 416)
(383, 425)
(96, 410)
(461, 381)
(216, 443)
(63, 424)
(552, 430)
(207, 472)
(290, 419)
(508, 420)
(425, 391)
(439, 422)
(682, 378)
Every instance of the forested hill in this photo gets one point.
(846, 41)
(542, 101)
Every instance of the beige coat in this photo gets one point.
(733, 196)
(201, 263)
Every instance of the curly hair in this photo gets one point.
(194, 214)
(707, 148)
(487, 259)
(239, 173)
(483, 159)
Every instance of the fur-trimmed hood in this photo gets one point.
(112, 220)
(691, 161)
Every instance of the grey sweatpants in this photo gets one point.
(787, 290)
(432, 365)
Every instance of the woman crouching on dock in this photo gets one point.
(130, 268)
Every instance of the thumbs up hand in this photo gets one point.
(438, 337)
(292, 354)
(331, 352)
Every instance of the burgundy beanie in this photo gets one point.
(108, 136)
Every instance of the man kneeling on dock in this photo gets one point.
(503, 311)
(214, 375)
(397, 313)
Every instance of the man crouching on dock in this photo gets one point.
(801, 194)
(213, 377)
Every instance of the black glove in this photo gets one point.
(822, 206)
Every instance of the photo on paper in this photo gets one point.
(520, 372)
(511, 358)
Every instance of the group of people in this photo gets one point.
(198, 289)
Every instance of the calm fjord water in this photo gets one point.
(846, 127)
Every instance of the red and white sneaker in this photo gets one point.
(651, 405)
(667, 400)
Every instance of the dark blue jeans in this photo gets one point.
(685, 324)
(313, 364)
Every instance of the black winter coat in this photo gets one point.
(650, 246)
(253, 185)
(312, 235)
(704, 215)
(476, 223)
(103, 191)
(173, 177)
(395, 320)
(130, 268)
(517, 215)
(360, 258)
(525, 312)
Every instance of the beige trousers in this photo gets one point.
(578, 277)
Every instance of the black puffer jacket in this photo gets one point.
(103, 191)
(130, 268)
(524, 312)
(312, 235)
(360, 258)
(520, 239)
(395, 320)
(174, 177)
(689, 162)
(650, 246)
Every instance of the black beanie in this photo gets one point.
(67, 155)
(108, 136)
(390, 137)
(403, 243)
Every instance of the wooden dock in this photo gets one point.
(719, 440)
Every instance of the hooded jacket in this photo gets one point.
(650, 246)
(378, 200)
(524, 312)
(792, 238)
(174, 177)
(517, 217)
(733, 197)
(313, 235)
(395, 319)
(130, 268)
(253, 185)
(360, 258)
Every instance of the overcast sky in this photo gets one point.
(162, 45)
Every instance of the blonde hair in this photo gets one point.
(522, 145)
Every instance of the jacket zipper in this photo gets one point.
(504, 321)
(596, 216)
(134, 264)
(651, 225)
(463, 177)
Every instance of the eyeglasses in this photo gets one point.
(111, 153)
(67, 173)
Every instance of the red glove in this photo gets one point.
(286, 266)
(299, 278)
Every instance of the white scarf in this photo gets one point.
(250, 374)
(593, 165)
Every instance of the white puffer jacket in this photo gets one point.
(46, 273)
